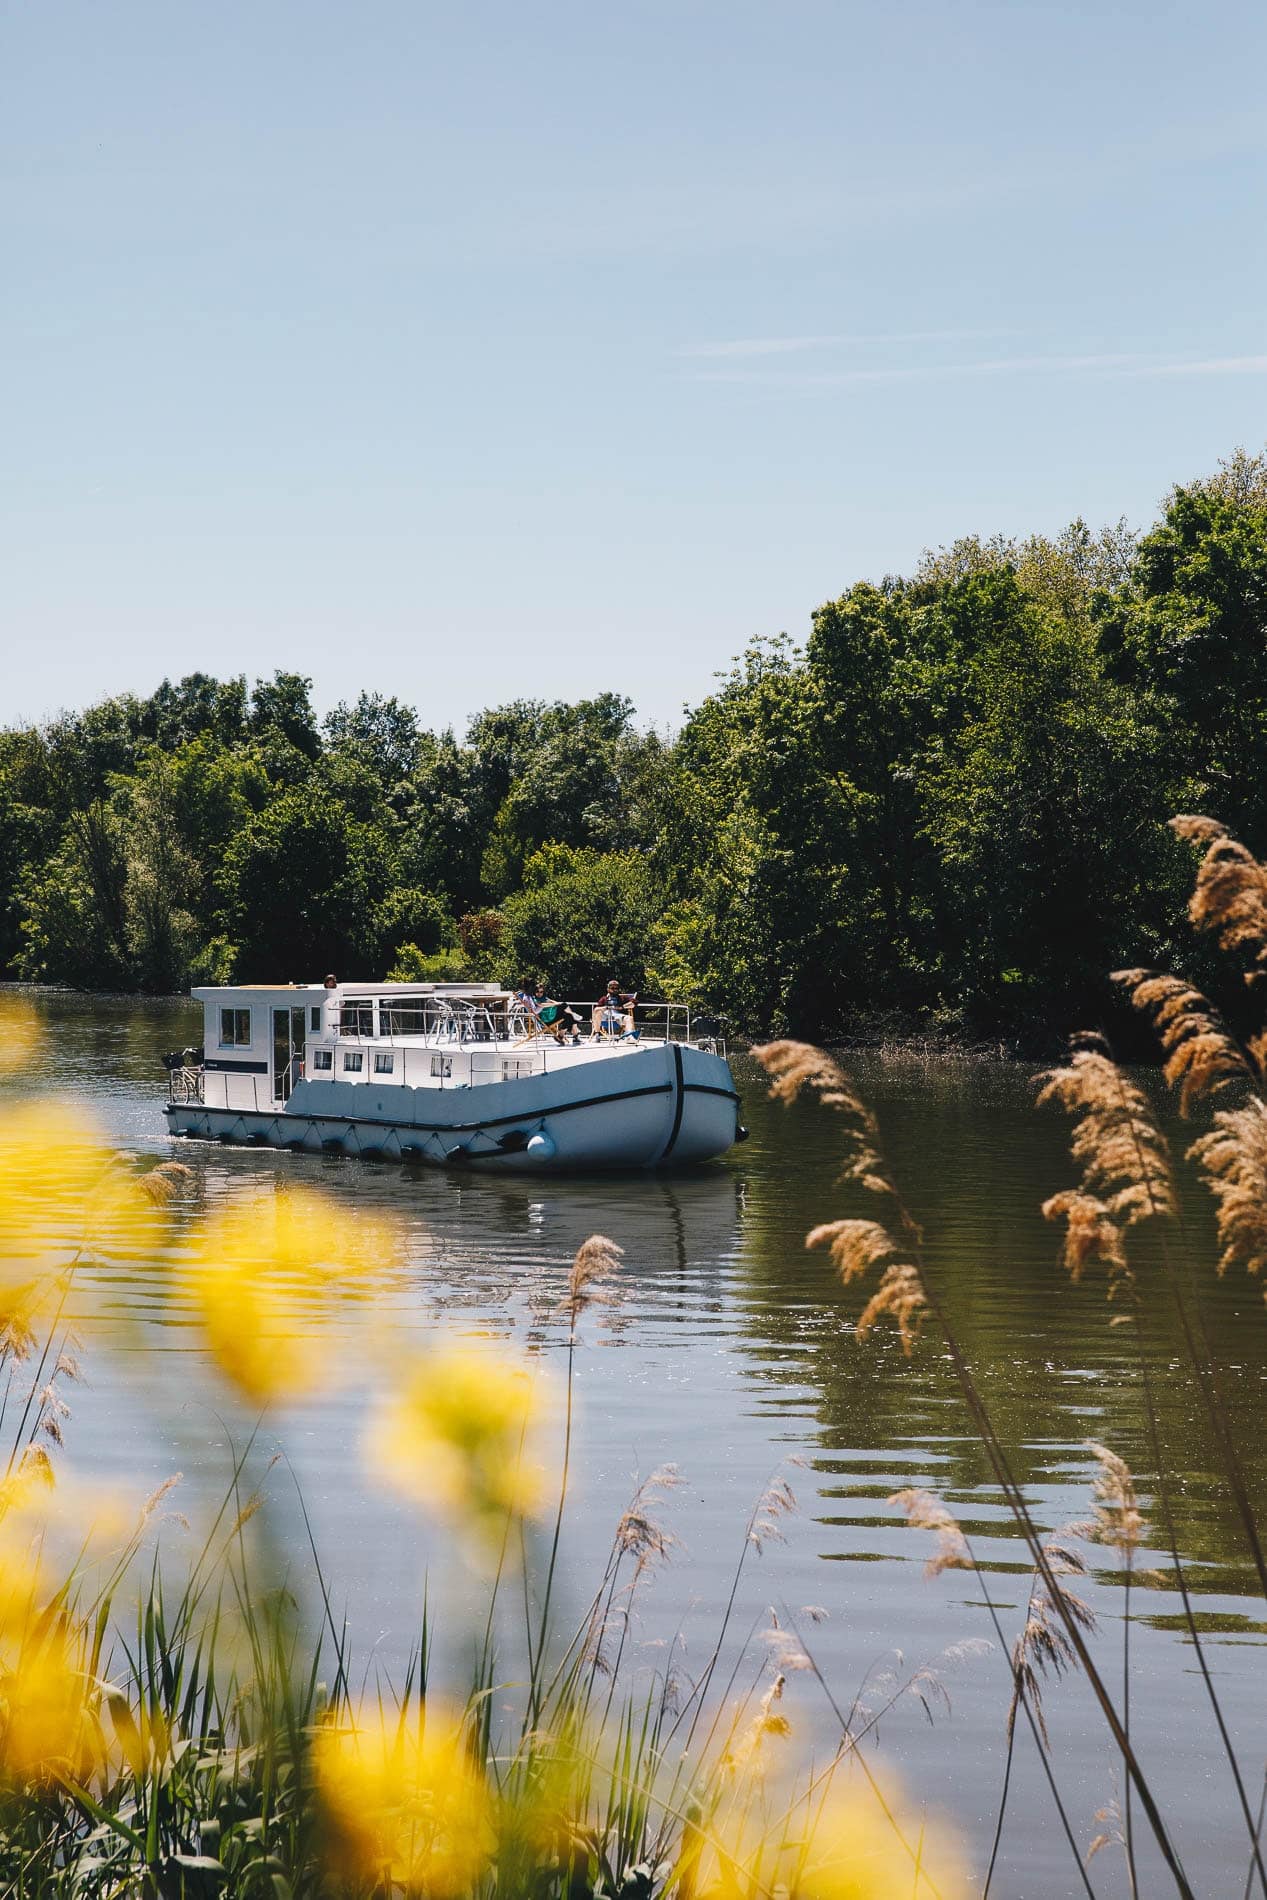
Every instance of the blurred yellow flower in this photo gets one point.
(46, 1721)
(846, 1848)
(19, 1034)
(260, 1268)
(855, 1852)
(402, 1799)
(256, 1333)
(63, 1194)
(300, 1235)
(459, 1433)
(19, 1584)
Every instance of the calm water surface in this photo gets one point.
(731, 1352)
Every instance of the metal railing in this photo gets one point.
(498, 1043)
(448, 1021)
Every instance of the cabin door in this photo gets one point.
(288, 1051)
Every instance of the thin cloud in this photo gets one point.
(1217, 366)
(789, 345)
(1116, 363)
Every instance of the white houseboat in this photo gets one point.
(454, 1074)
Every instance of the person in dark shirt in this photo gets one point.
(614, 1011)
(564, 1025)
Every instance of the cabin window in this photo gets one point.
(384, 1062)
(402, 1019)
(314, 1019)
(357, 1019)
(513, 1066)
(352, 1061)
(235, 1028)
(323, 1058)
(442, 1066)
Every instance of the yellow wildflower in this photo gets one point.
(844, 1847)
(458, 1432)
(255, 1333)
(19, 1034)
(19, 1583)
(401, 1798)
(46, 1723)
(257, 1263)
(299, 1235)
(62, 1195)
(857, 1852)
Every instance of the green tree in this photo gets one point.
(1042, 803)
(414, 918)
(196, 706)
(381, 732)
(582, 916)
(1188, 634)
(161, 879)
(73, 906)
(442, 823)
(302, 882)
(282, 708)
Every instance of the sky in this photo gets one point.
(475, 352)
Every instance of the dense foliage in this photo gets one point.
(946, 807)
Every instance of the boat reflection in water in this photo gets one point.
(482, 1243)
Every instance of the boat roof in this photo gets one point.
(211, 993)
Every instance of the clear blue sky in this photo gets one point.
(465, 352)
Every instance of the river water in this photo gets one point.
(730, 1353)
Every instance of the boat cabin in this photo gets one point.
(260, 1040)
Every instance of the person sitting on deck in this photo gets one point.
(614, 1012)
(523, 1004)
(562, 1023)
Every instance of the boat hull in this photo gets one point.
(666, 1105)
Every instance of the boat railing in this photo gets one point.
(441, 1022)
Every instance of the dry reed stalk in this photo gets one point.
(858, 1245)
(953, 1552)
(793, 1066)
(746, 1755)
(1233, 1163)
(17, 1336)
(1127, 1169)
(1123, 1159)
(1203, 1060)
(786, 1650)
(1229, 898)
(1119, 1522)
(638, 1533)
(1126, 1174)
(161, 1184)
(1044, 1646)
(593, 1266)
(589, 1280)
(155, 1498)
(924, 1512)
(776, 1502)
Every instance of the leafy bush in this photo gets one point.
(413, 965)
(582, 917)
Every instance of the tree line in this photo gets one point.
(946, 808)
